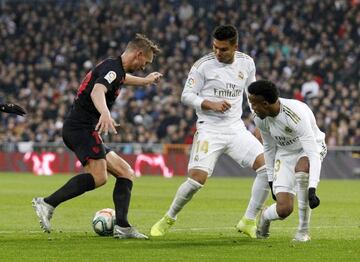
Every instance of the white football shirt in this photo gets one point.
(215, 81)
(293, 129)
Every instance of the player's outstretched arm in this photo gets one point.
(12, 109)
(138, 81)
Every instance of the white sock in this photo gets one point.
(270, 213)
(302, 183)
(183, 195)
(259, 193)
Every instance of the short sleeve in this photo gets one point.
(109, 75)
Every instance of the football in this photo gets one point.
(103, 222)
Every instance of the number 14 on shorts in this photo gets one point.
(202, 146)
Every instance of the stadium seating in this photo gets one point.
(47, 48)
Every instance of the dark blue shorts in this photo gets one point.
(84, 141)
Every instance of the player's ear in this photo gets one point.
(139, 53)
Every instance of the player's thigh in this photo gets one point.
(284, 172)
(205, 151)
(303, 164)
(245, 149)
(84, 142)
(118, 167)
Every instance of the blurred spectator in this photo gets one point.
(44, 51)
(310, 88)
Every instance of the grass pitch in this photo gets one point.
(204, 230)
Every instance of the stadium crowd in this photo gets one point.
(309, 48)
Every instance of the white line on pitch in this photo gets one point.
(182, 229)
(276, 228)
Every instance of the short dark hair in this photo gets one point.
(226, 32)
(142, 42)
(266, 89)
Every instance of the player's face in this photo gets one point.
(259, 105)
(141, 60)
(224, 51)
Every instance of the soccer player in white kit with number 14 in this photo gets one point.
(294, 147)
(215, 88)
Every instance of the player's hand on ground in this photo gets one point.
(13, 109)
(221, 106)
(106, 124)
(314, 200)
(153, 77)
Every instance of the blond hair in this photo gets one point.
(142, 42)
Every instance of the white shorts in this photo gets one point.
(284, 169)
(207, 146)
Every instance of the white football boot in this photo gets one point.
(44, 211)
(302, 237)
(128, 232)
(263, 226)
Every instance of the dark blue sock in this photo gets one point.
(76, 186)
(121, 197)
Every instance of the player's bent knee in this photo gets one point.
(302, 165)
(284, 210)
(259, 162)
(100, 180)
(97, 168)
(198, 175)
(118, 167)
(129, 174)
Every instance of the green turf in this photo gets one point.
(204, 231)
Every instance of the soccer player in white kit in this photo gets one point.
(215, 88)
(294, 148)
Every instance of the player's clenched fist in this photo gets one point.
(314, 200)
(154, 77)
(221, 106)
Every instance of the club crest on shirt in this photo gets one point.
(190, 82)
(288, 130)
(110, 76)
(95, 149)
(241, 75)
